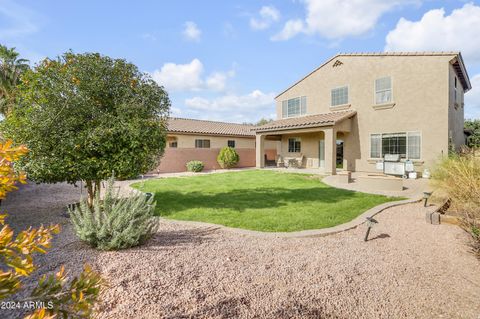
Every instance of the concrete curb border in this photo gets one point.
(359, 220)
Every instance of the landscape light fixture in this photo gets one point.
(426, 195)
(370, 222)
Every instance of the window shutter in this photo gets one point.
(284, 109)
(414, 145)
(303, 105)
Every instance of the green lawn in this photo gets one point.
(258, 200)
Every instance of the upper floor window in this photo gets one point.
(383, 90)
(202, 143)
(231, 143)
(294, 107)
(173, 144)
(340, 96)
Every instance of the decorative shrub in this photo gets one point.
(195, 166)
(458, 178)
(116, 222)
(228, 157)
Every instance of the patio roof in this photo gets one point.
(309, 121)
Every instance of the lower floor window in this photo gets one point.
(294, 145)
(231, 143)
(407, 145)
(202, 143)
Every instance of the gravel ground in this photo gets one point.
(409, 269)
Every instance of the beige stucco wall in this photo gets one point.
(188, 141)
(421, 88)
(455, 111)
(309, 147)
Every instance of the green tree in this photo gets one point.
(84, 116)
(11, 68)
(474, 126)
(263, 121)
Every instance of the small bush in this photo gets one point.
(195, 166)
(458, 178)
(116, 222)
(227, 158)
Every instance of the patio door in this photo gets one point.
(321, 154)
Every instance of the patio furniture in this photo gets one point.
(292, 162)
(269, 162)
(280, 162)
(296, 162)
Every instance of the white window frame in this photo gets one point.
(407, 157)
(348, 95)
(302, 111)
(375, 90)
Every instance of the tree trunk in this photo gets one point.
(93, 188)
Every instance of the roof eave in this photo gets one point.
(463, 69)
(210, 134)
(298, 127)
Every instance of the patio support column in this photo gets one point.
(330, 151)
(260, 151)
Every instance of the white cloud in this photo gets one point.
(16, 20)
(336, 19)
(175, 111)
(472, 99)
(291, 28)
(267, 16)
(232, 102)
(180, 77)
(217, 81)
(189, 77)
(232, 107)
(437, 31)
(191, 32)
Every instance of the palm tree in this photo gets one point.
(10, 70)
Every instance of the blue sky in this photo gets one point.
(226, 60)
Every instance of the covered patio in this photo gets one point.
(308, 141)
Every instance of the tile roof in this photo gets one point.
(193, 126)
(316, 120)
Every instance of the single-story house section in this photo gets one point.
(357, 110)
(191, 139)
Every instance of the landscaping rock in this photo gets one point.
(405, 270)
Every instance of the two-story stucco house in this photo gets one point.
(356, 108)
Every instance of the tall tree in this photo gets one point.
(474, 126)
(11, 68)
(86, 116)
